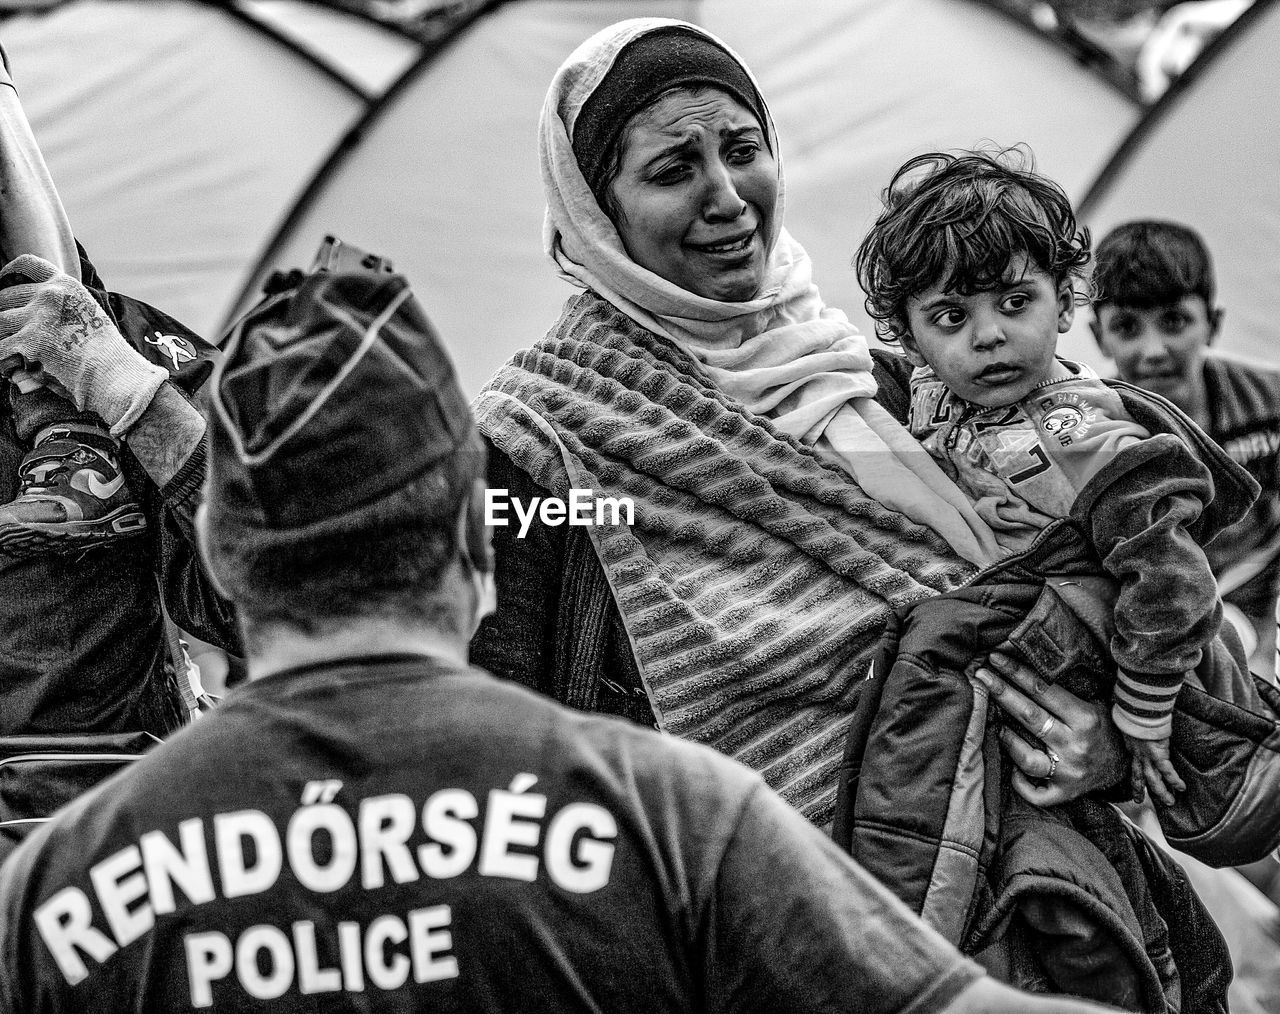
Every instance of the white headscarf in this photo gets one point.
(783, 355)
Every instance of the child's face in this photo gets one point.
(992, 347)
(1159, 348)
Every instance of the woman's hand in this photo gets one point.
(1081, 750)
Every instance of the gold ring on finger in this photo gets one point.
(1049, 723)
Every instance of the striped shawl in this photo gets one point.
(754, 581)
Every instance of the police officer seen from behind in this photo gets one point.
(370, 824)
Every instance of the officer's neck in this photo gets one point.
(280, 647)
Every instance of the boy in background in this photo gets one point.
(1155, 315)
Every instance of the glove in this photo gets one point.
(50, 321)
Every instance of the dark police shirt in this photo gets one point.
(404, 834)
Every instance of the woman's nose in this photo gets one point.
(722, 202)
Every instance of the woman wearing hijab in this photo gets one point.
(781, 513)
(700, 376)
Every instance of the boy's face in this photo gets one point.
(1160, 347)
(992, 347)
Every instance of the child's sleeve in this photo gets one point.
(1143, 705)
(1140, 511)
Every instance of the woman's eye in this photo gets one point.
(743, 154)
(670, 175)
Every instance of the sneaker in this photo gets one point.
(73, 495)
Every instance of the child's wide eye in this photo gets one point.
(1016, 301)
(951, 317)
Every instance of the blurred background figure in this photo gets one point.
(1119, 28)
(1148, 44)
(1178, 38)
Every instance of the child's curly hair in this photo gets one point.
(958, 219)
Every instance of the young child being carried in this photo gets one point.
(970, 268)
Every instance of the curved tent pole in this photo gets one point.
(338, 155)
(1085, 52)
(229, 8)
(361, 15)
(433, 49)
(1166, 102)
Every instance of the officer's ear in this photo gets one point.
(476, 551)
(475, 540)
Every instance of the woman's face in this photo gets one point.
(696, 192)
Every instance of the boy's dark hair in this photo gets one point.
(957, 220)
(1147, 263)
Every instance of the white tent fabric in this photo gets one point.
(445, 180)
(859, 87)
(1208, 155)
(182, 139)
(178, 136)
(364, 51)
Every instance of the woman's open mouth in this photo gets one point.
(728, 248)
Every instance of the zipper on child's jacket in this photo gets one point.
(1018, 557)
(966, 413)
